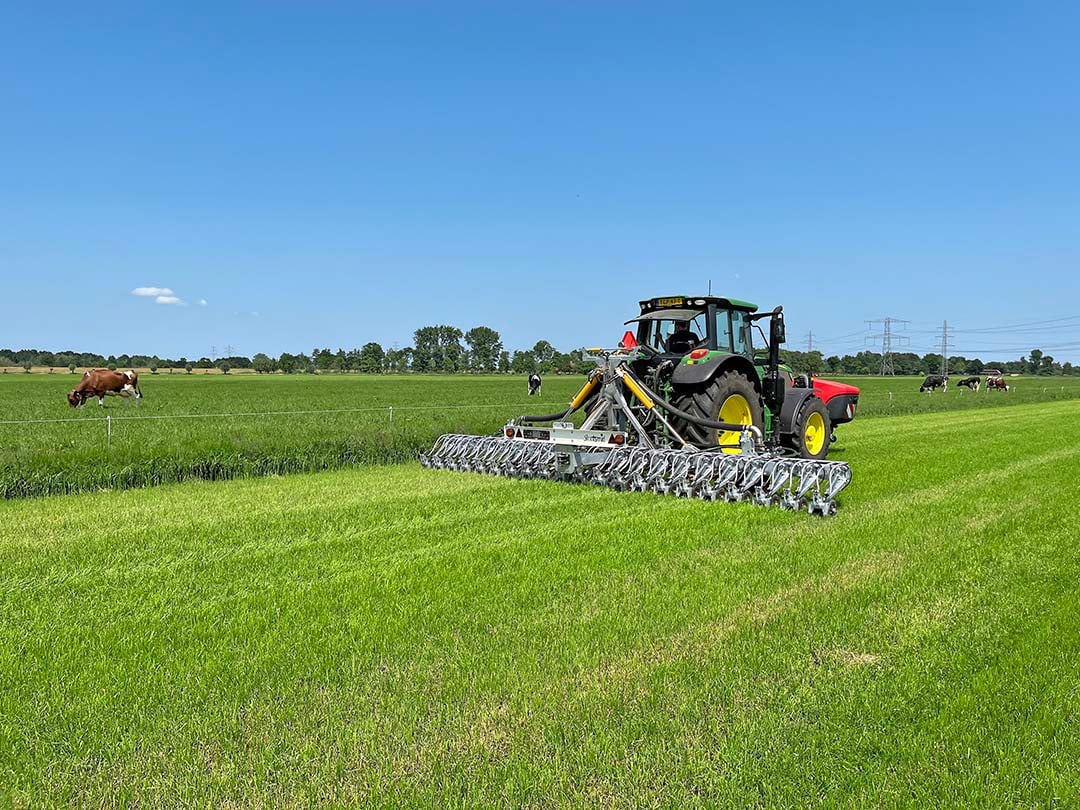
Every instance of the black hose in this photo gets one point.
(548, 417)
(687, 417)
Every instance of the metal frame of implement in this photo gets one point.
(614, 447)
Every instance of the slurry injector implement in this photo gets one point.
(685, 407)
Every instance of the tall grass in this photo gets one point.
(53, 458)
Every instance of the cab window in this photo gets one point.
(740, 332)
(723, 330)
(661, 330)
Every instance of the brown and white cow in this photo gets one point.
(100, 382)
(996, 384)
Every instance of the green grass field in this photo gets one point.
(183, 429)
(395, 636)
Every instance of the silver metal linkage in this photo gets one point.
(764, 478)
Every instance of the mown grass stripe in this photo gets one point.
(281, 642)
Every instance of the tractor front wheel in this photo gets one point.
(811, 433)
(730, 397)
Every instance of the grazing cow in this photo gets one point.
(996, 383)
(933, 382)
(534, 384)
(971, 383)
(100, 382)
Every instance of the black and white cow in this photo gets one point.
(971, 383)
(534, 384)
(934, 382)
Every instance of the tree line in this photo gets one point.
(443, 349)
(438, 349)
(911, 364)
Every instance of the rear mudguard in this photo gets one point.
(793, 402)
(692, 375)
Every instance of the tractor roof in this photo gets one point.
(667, 315)
(698, 302)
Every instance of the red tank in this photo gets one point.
(840, 399)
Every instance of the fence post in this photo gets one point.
(108, 432)
(391, 414)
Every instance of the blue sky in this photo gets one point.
(328, 174)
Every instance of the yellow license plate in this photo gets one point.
(669, 302)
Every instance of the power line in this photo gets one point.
(810, 341)
(1023, 326)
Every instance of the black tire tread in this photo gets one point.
(704, 402)
(795, 440)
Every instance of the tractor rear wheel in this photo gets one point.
(729, 397)
(811, 432)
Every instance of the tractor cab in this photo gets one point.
(675, 326)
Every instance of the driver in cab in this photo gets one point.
(683, 339)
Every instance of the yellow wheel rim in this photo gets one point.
(814, 433)
(736, 411)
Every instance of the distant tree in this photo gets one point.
(153, 368)
(235, 361)
(287, 363)
(523, 363)
(426, 355)
(504, 362)
(453, 353)
(204, 362)
(71, 368)
(485, 345)
(188, 367)
(262, 363)
(112, 366)
(543, 355)
(1034, 362)
(397, 360)
(372, 357)
(322, 359)
(224, 368)
(1067, 368)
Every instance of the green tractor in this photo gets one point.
(698, 352)
(686, 406)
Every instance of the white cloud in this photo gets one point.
(152, 292)
(167, 299)
(202, 302)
